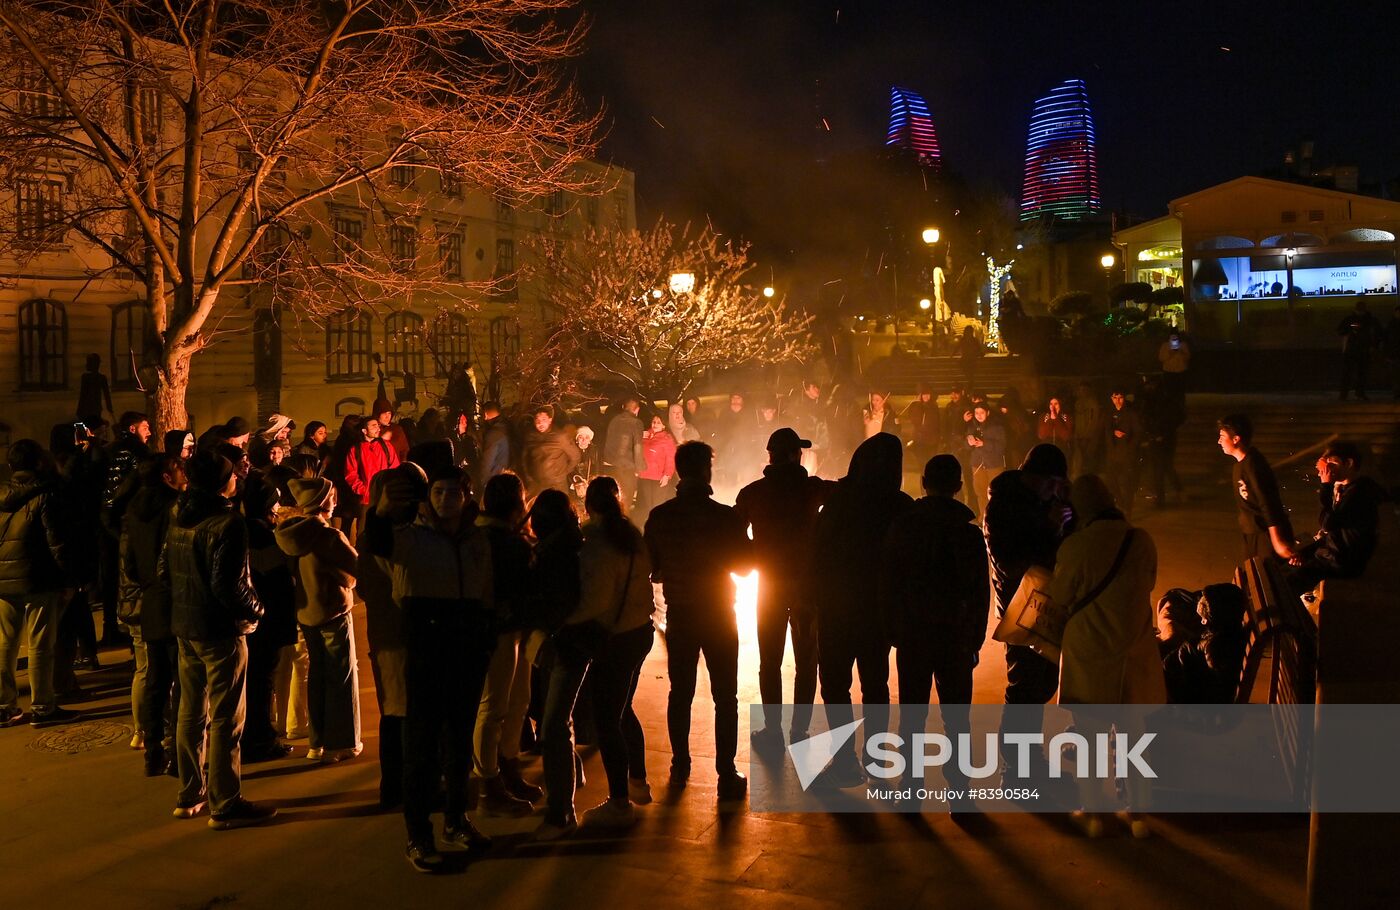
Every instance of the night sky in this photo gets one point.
(719, 106)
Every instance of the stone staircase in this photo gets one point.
(995, 373)
(1291, 431)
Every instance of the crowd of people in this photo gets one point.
(506, 565)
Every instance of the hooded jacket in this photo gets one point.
(937, 586)
(849, 547)
(205, 565)
(1020, 533)
(782, 508)
(326, 565)
(659, 455)
(428, 563)
(33, 534)
(144, 597)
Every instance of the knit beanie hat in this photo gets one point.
(312, 493)
(237, 426)
(209, 471)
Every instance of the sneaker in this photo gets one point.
(10, 716)
(639, 791)
(242, 814)
(52, 717)
(138, 740)
(732, 785)
(1137, 826)
(335, 756)
(610, 814)
(423, 857)
(297, 734)
(462, 833)
(188, 810)
(496, 799)
(314, 753)
(1089, 824)
(552, 831)
(842, 776)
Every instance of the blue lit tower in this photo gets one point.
(1062, 171)
(911, 127)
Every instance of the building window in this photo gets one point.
(591, 210)
(1315, 215)
(451, 342)
(450, 253)
(450, 185)
(348, 346)
(349, 237)
(403, 247)
(128, 342)
(37, 97)
(152, 120)
(1288, 217)
(43, 345)
(506, 285)
(554, 205)
(403, 343)
(39, 211)
(505, 207)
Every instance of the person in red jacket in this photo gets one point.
(654, 480)
(1056, 427)
(367, 459)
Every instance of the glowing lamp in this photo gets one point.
(1107, 260)
(925, 303)
(930, 235)
(768, 291)
(682, 282)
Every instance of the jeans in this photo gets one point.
(1121, 475)
(449, 648)
(260, 731)
(37, 616)
(332, 684)
(212, 678)
(292, 667)
(718, 640)
(620, 737)
(504, 701)
(1030, 680)
(921, 666)
(777, 610)
(141, 675)
(566, 677)
(842, 648)
(162, 664)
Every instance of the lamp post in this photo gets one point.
(1288, 255)
(1107, 260)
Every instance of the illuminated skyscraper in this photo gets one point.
(911, 126)
(1062, 170)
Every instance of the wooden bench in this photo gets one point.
(1280, 663)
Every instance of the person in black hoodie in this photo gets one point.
(205, 564)
(144, 526)
(123, 457)
(696, 544)
(935, 598)
(781, 508)
(849, 557)
(276, 589)
(1027, 516)
(1347, 525)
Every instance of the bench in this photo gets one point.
(1280, 663)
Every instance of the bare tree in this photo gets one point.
(203, 145)
(656, 309)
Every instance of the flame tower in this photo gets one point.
(1062, 171)
(911, 126)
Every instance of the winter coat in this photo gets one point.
(364, 461)
(123, 457)
(659, 455)
(495, 456)
(145, 598)
(548, 460)
(1056, 430)
(936, 586)
(429, 563)
(510, 571)
(694, 544)
(325, 570)
(1346, 537)
(623, 447)
(607, 592)
(848, 553)
(205, 565)
(1109, 654)
(276, 587)
(684, 433)
(34, 531)
(1021, 532)
(991, 454)
(1207, 671)
(782, 508)
(554, 585)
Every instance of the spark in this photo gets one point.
(658, 123)
(827, 125)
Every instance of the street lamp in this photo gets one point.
(1107, 260)
(682, 282)
(930, 235)
(768, 291)
(1288, 255)
(925, 303)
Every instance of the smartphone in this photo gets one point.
(1176, 344)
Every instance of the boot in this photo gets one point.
(497, 799)
(517, 785)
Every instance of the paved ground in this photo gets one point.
(88, 827)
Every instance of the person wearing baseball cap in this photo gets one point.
(781, 510)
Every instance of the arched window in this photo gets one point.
(403, 343)
(1292, 239)
(348, 346)
(129, 342)
(1224, 243)
(43, 345)
(1364, 235)
(451, 342)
